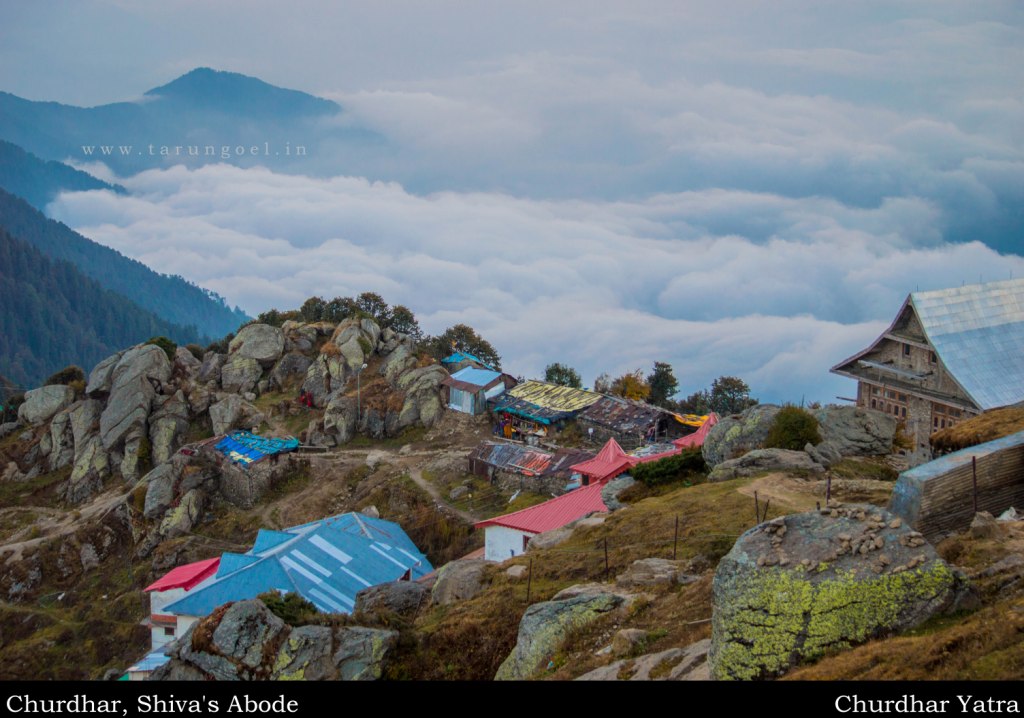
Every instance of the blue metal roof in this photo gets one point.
(477, 377)
(978, 332)
(244, 447)
(151, 661)
(456, 357)
(327, 562)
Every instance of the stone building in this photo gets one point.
(950, 354)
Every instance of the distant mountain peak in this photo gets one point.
(205, 87)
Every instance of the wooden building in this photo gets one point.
(949, 354)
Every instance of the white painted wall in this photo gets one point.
(501, 542)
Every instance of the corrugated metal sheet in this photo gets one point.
(244, 447)
(480, 378)
(552, 514)
(554, 397)
(623, 416)
(563, 460)
(185, 576)
(938, 497)
(697, 438)
(150, 662)
(327, 562)
(520, 407)
(610, 461)
(978, 332)
(516, 458)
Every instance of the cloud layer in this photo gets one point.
(770, 288)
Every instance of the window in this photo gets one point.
(906, 350)
(168, 630)
(873, 404)
(932, 358)
(903, 411)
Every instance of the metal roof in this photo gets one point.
(477, 377)
(456, 357)
(185, 576)
(520, 407)
(554, 396)
(327, 562)
(610, 461)
(554, 513)
(978, 332)
(150, 662)
(512, 457)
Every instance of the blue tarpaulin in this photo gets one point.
(244, 447)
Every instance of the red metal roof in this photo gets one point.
(554, 513)
(186, 576)
(697, 438)
(609, 462)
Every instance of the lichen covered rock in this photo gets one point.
(798, 586)
(546, 625)
(735, 435)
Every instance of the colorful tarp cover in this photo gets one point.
(456, 357)
(244, 447)
(697, 438)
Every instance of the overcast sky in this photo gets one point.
(739, 188)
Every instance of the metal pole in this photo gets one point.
(675, 539)
(757, 510)
(828, 490)
(974, 477)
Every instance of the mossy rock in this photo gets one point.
(799, 586)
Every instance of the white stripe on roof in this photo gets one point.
(296, 567)
(310, 562)
(330, 549)
(389, 558)
(323, 608)
(337, 607)
(337, 594)
(416, 561)
(357, 577)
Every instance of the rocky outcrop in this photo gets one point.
(398, 361)
(761, 460)
(209, 371)
(246, 641)
(356, 340)
(240, 374)
(855, 431)
(133, 385)
(458, 581)
(234, 412)
(847, 574)
(340, 419)
(42, 403)
(322, 377)
(422, 403)
(401, 597)
(167, 425)
(545, 626)
(179, 520)
(299, 337)
(92, 466)
(290, 367)
(160, 490)
(654, 572)
(735, 435)
(260, 342)
(675, 664)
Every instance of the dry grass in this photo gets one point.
(989, 426)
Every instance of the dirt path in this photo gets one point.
(62, 523)
(417, 476)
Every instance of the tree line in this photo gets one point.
(726, 395)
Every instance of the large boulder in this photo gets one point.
(674, 664)
(260, 342)
(340, 419)
(546, 625)
(735, 435)
(401, 597)
(179, 520)
(422, 387)
(760, 460)
(209, 371)
(323, 376)
(133, 383)
(240, 374)
(160, 490)
(305, 655)
(458, 581)
(856, 431)
(167, 424)
(234, 412)
(653, 572)
(299, 337)
(361, 652)
(356, 339)
(102, 375)
(244, 631)
(288, 368)
(186, 362)
(91, 467)
(398, 361)
(42, 403)
(799, 586)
